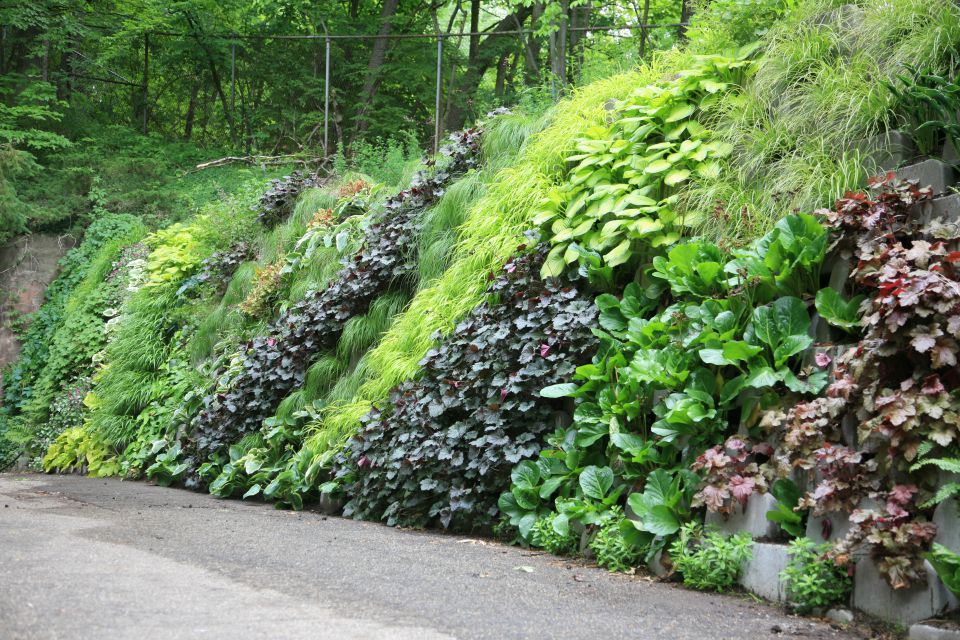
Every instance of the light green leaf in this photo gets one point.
(676, 176)
(657, 166)
(596, 482)
(680, 112)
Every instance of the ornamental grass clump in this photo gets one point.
(274, 364)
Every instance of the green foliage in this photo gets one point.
(839, 312)
(661, 509)
(78, 449)
(951, 465)
(718, 25)
(137, 397)
(928, 104)
(947, 565)
(81, 334)
(544, 535)
(612, 550)
(28, 112)
(707, 560)
(785, 512)
(796, 127)
(166, 468)
(813, 580)
(390, 161)
(624, 186)
(787, 259)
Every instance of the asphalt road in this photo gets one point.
(93, 558)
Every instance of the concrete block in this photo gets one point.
(838, 527)
(839, 522)
(935, 174)
(329, 505)
(947, 518)
(887, 151)
(657, 566)
(934, 630)
(843, 616)
(840, 275)
(761, 574)
(950, 154)
(945, 210)
(872, 594)
(752, 519)
(820, 329)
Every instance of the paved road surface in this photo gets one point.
(92, 558)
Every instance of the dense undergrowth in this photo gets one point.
(625, 304)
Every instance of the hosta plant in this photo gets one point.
(623, 186)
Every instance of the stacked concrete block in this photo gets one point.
(751, 519)
(887, 151)
(935, 174)
(761, 574)
(933, 631)
(872, 594)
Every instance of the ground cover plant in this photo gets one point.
(442, 449)
(276, 363)
(583, 328)
(898, 383)
(814, 581)
(20, 379)
(797, 130)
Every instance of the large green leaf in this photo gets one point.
(526, 475)
(839, 312)
(561, 390)
(596, 482)
(661, 520)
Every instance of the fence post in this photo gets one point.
(326, 101)
(436, 127)
(233, 77)
(146, 79)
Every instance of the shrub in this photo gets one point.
(813, 579)
(266, 289)
(281, 196)
(707, 560)
(442, 449)
(612, 551)
(545, 536)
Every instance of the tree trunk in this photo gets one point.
(643, 29)
(558, 50)
(378, 56)
(474, 29)
(531, 70)
(217, 84)
(191, 111)
(489, 52)
(580, 20)
(685, 11)
(500, 85)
